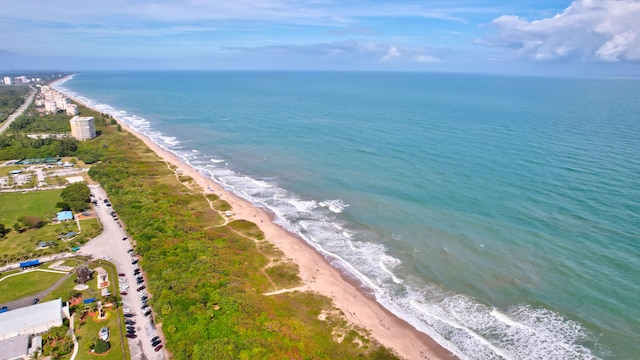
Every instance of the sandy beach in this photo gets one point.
(318, 275)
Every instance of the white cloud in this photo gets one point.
(588, 30)
(426, 59)
(392, 53)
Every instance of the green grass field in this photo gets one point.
(36, 203)
(5, 170)
(25, 284)
(17, 244)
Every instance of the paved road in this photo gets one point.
(18, 112)
(110, 244)
(26, 301)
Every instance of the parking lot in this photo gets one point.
(114, 243)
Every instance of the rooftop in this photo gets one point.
(28, 316)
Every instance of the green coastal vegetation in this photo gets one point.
(11, 98)
(207, 277)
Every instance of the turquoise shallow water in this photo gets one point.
(500, 215)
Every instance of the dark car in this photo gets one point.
(120, 274)
(123, 293)
(134, 261)
(123, 239)
(144, 298)
(131, 329)
(141, 288)
(35, 301)
(130, 250)
(155, 338)
(139, 281)
(156, 343)
(129, 322)
(131, 336)
(136, 271)
(158, 348)
(147, 313)
(129, 315)
(145, 307)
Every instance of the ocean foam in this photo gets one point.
(335, 206)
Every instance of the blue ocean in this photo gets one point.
(500, 215)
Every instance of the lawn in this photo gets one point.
(25, 284)
(115, 320)
(5, 170)
(18, 244)
(89, 328)
(34, 203)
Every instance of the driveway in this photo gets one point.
(110, 244)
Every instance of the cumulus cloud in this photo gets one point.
(588, 30)
(392, 53)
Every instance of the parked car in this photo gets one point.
(129, 315)
(145, 307)
(147, 313)
(136, 271)
(123, 293)
(156, 343)
(134, 261)
(35, 301)
(125, 238)
(129, 322)
(141, 288)
(130, 250)
(121, 274)
(4, 309)
(158, 348)
(155, 338)
(131, 336)
(144, 298)
(139, 281)
(131, 328)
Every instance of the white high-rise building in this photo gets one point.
(72, 109)
(61, 101)
(7, 80)
(82, 127)
(50, 106)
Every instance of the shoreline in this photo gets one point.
(315, 271)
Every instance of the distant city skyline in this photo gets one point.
(583, 37)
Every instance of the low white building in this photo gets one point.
(30, 320)
(7, 80)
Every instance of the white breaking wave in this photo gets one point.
(337, 206)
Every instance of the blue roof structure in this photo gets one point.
(65, 215)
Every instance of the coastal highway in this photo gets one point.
(20, 110)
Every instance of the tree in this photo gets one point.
(77, 196)
(4, 231)
(28, 222)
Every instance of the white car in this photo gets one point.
(126, 310)
(106, 258)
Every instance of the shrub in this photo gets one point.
(101, 347)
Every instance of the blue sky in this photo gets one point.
(546, 37)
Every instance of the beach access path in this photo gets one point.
(20, 110)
